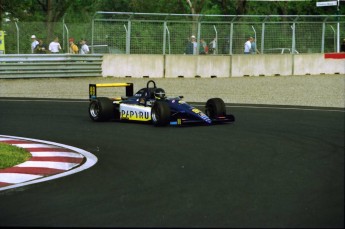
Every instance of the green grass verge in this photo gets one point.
(11, 155)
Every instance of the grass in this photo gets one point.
(11, 155)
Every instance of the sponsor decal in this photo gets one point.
(134, 112)
(202, 115)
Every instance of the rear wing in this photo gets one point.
(93, 88)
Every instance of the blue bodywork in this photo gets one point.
(152, 102)
(181, 111)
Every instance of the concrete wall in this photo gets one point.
(133, 65)
(266, 65)
(207, 66)
(190, 66)
(315, 64)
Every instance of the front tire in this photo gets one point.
(160, 113)
(215, 107)
(101, 109)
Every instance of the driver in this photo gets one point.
(159, 93)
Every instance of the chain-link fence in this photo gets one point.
(141, 33)
(18, 34)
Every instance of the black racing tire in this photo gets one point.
(160, 113)
(101, 109)
(215, 107)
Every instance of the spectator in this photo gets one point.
(248, 45)
(342, 48)
(213, 46)
(34, 43)
(195, 45)
(73, 48)
(189, 47)
(253, 48)
(203, 49)
(54, 46)
(41, 48)
(84, 48)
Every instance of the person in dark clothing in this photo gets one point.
(41, 48)
(189, 47)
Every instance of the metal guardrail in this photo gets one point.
(50, 65)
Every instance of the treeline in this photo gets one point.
(43, 17)
(83, 10)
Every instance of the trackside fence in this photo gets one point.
(140, 33)
(145, 33)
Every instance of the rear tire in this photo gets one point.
(101, 109)
(215, 107)
(160, 113)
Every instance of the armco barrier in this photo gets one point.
(50, 65)
(315, 64)
(133, 65)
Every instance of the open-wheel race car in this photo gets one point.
(150, 104)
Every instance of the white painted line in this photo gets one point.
(56, 154)
(32, 145)
(13, 178)
(279, 108)
(48, 164)
(289, 108)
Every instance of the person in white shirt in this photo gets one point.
(248, 45)
(34, 43)
(54, 46)
(195, 45)
(84, 49)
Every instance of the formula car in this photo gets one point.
(150, 104)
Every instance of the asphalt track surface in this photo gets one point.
(274, 167)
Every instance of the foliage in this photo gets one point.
(43, 18)
(83, 10)
(12, 155)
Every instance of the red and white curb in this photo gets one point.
(50, 160)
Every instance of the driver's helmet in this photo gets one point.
(159, 93)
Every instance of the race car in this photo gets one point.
(150, 104)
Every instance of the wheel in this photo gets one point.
(215, 107)
(160, 113)
(101, 109)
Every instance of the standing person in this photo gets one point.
(253, 48)
(54, 46)
(195, 45)
(213, 46)
(248, 45)
(41, 48)
(203, 49)
(189, 47)
(34, 43)
(84, 49)
(73, 48)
